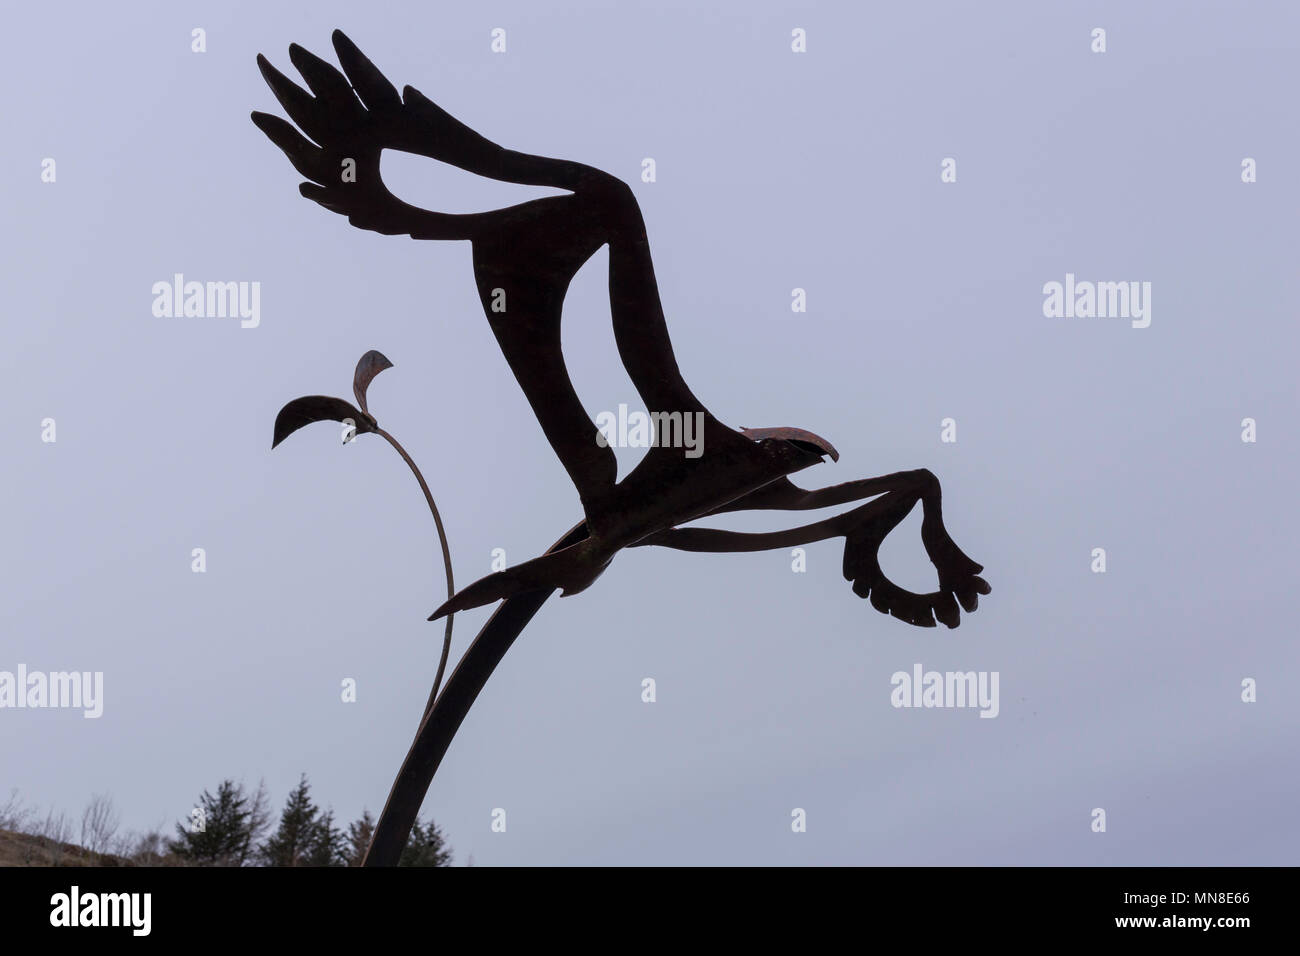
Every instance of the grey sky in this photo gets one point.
(1118, 690)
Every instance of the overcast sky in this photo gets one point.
(775, 170)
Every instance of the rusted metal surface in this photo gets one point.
(797, 435)
(370, 365)
(318, 408)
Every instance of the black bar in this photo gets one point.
(213, 906)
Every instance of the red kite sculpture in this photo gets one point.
(524, 259)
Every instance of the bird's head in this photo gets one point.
(802, 439)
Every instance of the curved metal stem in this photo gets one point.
(441, 722)
(446, 561)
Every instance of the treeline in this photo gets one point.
(231, 827)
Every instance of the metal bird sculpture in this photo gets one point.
(524, 259)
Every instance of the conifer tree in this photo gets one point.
(224, 828)
(358, 838)
(425, 846)
(306, 836)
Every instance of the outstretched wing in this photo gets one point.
(524, 255)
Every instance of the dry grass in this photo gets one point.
(27, 839)
(26, 849)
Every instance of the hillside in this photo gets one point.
(22, 849)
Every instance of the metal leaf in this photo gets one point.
(369, 365)
(318, 408)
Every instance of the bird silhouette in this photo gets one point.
(524, 259)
